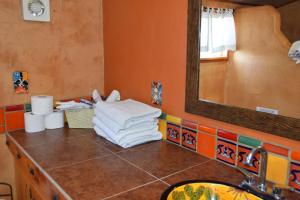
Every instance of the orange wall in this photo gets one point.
(146, 41)
(60, 56)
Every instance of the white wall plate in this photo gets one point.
(36, 10)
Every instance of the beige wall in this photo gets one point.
(64, 58)
(290, 16)
(260, 73)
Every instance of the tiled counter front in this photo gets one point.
(232, 149)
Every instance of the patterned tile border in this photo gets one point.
(229, 147)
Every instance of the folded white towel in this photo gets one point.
(115, 127)
(128, 112)
(294, 52)
(148, 125)
(132, 140)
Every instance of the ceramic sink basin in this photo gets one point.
(207, 190)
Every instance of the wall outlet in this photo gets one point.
(267, 110)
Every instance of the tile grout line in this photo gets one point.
(134, 165)
(186, 169)
(76, 163)
(109, 197)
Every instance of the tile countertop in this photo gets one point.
(88, 167)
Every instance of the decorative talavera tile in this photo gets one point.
(189, 124)
(27, 107)
(207, 129)
(295, 156)
(173, 119)
(173, 133)
(163, 128)
(227, 135)
(20, 82)
(276, 149)
(249, 141)
(15, 120)
(226, 151)
(156, 92)
(14, 108)
(243, 152)
(189, 138)
(294, 180)
(163, 116)
(277, 169)
(206, 145)
(2, 116)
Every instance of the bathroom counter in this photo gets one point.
(77, 164)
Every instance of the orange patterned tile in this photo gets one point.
(14, 120)
(2, 116)
(207, 129)
(206, 145)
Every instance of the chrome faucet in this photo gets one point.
(263, 166)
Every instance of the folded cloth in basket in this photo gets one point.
(131, 140)
(128, 112)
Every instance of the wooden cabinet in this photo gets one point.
(31, 181)
(25, 189)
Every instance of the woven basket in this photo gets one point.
(80, 118)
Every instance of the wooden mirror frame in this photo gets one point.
(274, 124)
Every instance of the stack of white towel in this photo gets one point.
(127, 123)
(294, 52)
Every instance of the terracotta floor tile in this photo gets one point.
(99, 178)
(59, 153)
(161, 158)
(212, 170)
(152, 191)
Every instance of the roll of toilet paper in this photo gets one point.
(54, 120)
(42, 104)
(33, 123)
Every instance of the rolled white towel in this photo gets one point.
(125, 114)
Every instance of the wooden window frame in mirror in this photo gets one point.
(274, 124)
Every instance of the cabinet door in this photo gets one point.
(25, 190)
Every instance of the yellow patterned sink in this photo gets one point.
(205, 190)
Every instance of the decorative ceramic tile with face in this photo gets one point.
(156, 92)
(20, 82)
(173, 133)
(189, 138)
(226, 151)
(243, 152)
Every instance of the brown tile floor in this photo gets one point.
(89, 167)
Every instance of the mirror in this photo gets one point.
(257, 74)
(230, 89)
